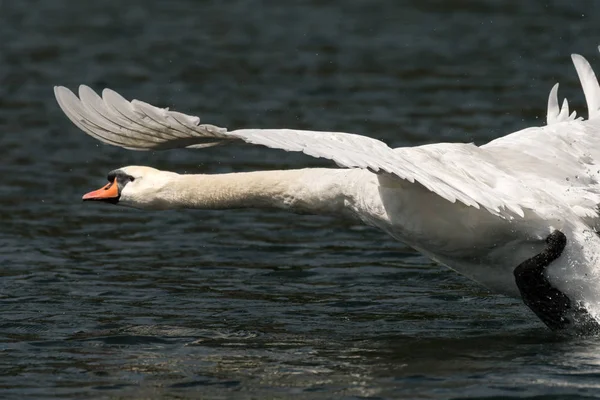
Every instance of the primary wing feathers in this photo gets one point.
(134, 125)
(502, 176)
(555, 113)
(589, 83)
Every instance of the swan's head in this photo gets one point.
(134, 186)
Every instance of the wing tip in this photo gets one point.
(589, 84)
(61, 91)
(553, 108)
(579, 57)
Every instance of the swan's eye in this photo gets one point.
(131, 178)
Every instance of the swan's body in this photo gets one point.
(479, 210)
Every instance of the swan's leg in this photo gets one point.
(548, 303)
(551, 305)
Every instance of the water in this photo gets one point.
(102, 302)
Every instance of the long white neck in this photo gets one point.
(312, 190)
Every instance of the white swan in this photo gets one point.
(478, 210)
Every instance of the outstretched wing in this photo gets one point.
(456, 172)
(536, 169)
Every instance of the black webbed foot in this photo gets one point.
(550, 304)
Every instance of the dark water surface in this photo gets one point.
(102, 302)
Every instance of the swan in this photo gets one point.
(489, 212)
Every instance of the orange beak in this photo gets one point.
(108, 192)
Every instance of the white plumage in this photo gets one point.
(479, 210)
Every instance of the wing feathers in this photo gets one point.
(589, 83)
(553, 109)
(555, 113)
(73, 108)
